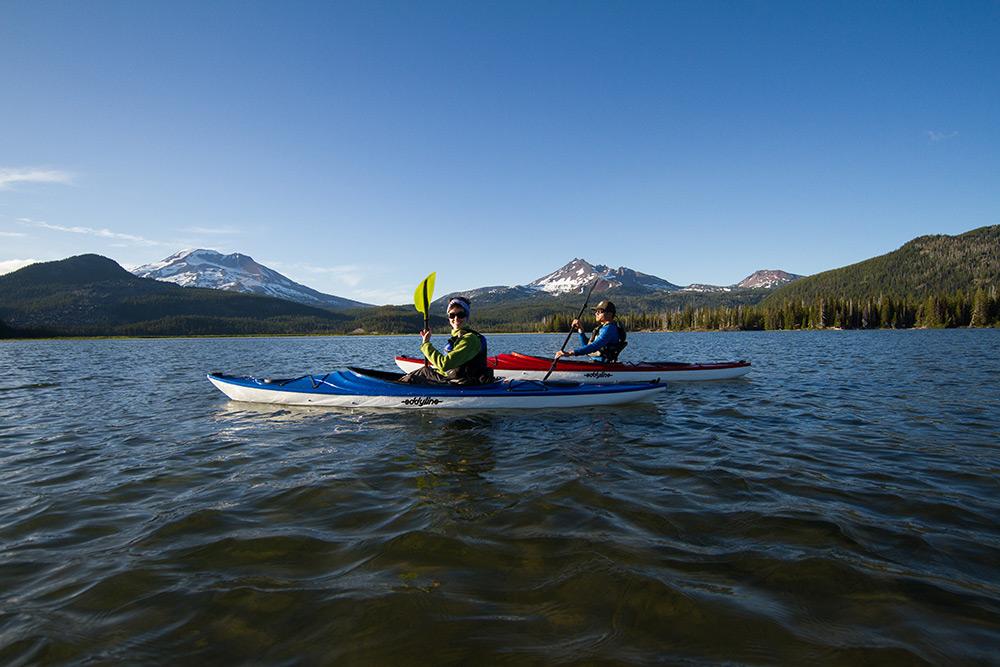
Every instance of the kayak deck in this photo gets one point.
(526, 366)
(356, 387)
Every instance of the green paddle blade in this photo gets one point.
(425, 292)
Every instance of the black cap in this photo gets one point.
(606, 306)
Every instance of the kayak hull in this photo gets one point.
(516, 366)
(359, 388)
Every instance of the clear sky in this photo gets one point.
(355, 147)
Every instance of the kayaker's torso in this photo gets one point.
(464, 358)
(606, 342)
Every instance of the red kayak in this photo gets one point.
(527, 367)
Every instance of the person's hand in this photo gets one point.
(425, 335)
(576, 325)
(562, 353)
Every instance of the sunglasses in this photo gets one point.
(456, 316)
(599, 310)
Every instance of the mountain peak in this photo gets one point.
(578, 274)
(236, 272)
(766, 279)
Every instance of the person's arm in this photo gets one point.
(604, 337)
(579, 330)
(465, 350)
(583, 341)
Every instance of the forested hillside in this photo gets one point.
(926, 265)
(93, 295)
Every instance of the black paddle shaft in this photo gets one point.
(427, 318)
(570, 334)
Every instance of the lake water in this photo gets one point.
(840, 505)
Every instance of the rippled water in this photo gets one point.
(839, 505)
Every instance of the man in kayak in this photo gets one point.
(606, 342)
(464, 359)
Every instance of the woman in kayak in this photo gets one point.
(464, 359)
(606, 342)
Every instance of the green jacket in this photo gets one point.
(463, 350)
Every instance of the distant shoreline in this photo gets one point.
(488, 333)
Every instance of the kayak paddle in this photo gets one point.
(579, 315)
(422, 300)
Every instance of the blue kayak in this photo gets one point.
(362, 388)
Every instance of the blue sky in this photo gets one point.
(358, 146)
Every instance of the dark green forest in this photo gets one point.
(981, 308)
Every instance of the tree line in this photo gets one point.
(980, 308)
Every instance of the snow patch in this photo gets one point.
(237, 273)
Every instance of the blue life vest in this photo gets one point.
(611, 351)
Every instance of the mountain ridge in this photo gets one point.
(94, 295)
(237, 272)
(577, 275)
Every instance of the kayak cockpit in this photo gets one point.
(516, 385)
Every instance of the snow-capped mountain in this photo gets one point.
(236, 273)
(701, 287)
(763, 279)
(579, 274)
(497, 293)
(766, 279)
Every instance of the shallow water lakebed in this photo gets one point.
(838, 505)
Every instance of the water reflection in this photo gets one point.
(452, 465)
(234, 411)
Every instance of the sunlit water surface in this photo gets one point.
(839, 505)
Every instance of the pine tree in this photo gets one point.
(980, 316)
(930, 317)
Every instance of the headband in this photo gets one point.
(462, 303)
